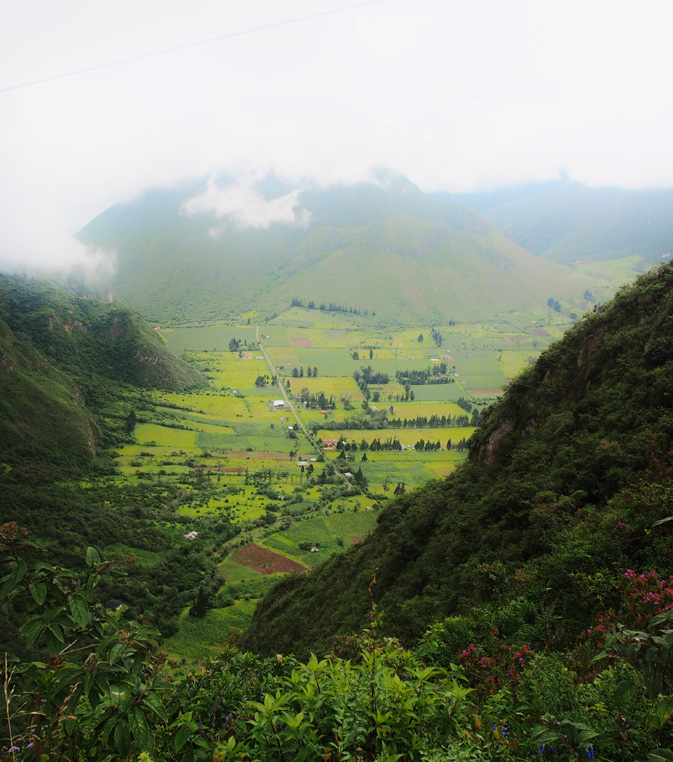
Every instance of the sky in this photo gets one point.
(100, 101)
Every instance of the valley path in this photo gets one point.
(280, 386)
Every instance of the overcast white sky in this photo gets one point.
(455, 94)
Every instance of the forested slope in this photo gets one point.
(64, 360)
(564, 486)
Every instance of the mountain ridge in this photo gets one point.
(564, 221)
(228, 246)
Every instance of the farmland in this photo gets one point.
(383, 412)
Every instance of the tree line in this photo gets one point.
(329, 307)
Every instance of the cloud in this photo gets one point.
(247, 207)
(454, 95)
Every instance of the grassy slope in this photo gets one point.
(42, 415)
(406, 270)
(569, 436)
(61, 360)
(389, 248)
(565, 221)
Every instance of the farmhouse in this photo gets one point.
(278, 404)
(191, 536)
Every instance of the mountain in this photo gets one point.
(565, 221)
(567, 487)
(218, 249)
(63, 359)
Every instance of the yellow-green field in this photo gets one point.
(407, 437)
(242, 471)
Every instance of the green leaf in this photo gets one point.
(92, 556)
(122, 737)
(39, 592)
(79, 609)
(91, 582)
(181, 737)
(32, 629)
(660, 755)
(13, 579)
(140, 729)
(53, 636)
(115, 653)
(154, 703)
(624, 693)
(664, 709)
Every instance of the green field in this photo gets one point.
(242, 471)
(206, 338)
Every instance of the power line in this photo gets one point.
(187, 45)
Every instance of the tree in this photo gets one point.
(420, 337)
(371, 354)
(130, 422)
(203, 600)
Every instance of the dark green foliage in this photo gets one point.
(101, 692)
(66, 364)
(541, 499)
(70, 369)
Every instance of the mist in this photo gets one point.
(455, 96)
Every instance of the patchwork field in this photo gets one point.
(248, 488)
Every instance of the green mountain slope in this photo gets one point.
(565, 221)
(532, 534)
(62, 360)
(385, 246)
(42, 414)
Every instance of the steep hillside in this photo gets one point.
(42, 413)
(565, 221)
(62, 360)
(216, 250)
(565, 483)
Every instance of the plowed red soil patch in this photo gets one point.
(539, 332)
(300, 341)
(265, 561)
(355, 539)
